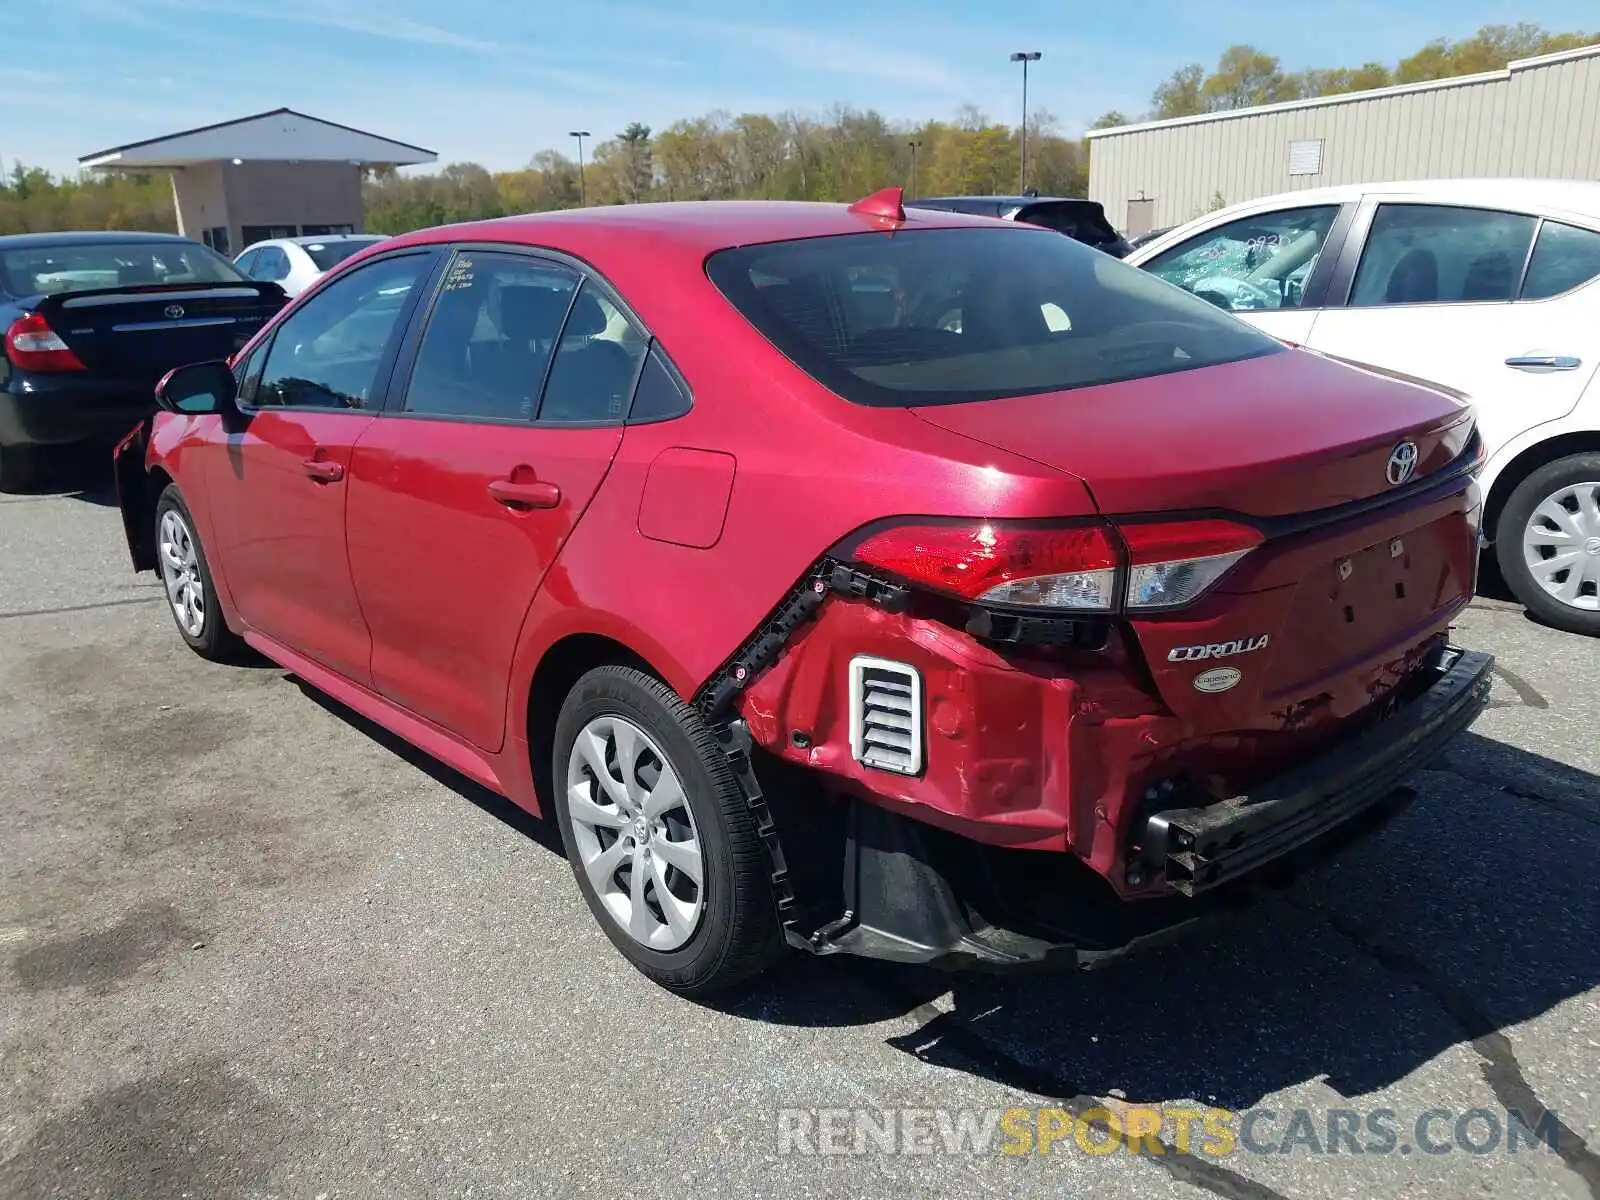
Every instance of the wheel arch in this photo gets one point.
(1526, 462)
(563, 663)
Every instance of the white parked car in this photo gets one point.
(1490, 287)
(296, 263)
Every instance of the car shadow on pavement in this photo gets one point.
(1473, 913)
(495, 805)
(1469, 915)
(72, 473)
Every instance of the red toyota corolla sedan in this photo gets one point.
(897, 583)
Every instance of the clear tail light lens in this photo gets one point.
(1072, 568)
(1171, 565)
(33, 346)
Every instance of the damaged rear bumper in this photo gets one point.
(913, 893)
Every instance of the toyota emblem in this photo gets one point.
(1402, 463)
(174, 311)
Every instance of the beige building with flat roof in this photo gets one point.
(1538, 117)
(275, 174)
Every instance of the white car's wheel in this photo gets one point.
(1547, 542)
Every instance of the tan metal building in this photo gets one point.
(1537, 117)
(275, 174)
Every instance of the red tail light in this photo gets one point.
(1070, 567)
(1073, 567)
(33, 346)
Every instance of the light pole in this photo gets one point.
(915, 145)
(1025, 57)
(583, 193)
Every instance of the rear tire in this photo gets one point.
(1547, 543)
(19, 468)
(668, 807)
(186, 576)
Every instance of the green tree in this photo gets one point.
(1244, 77)
(1182, 94)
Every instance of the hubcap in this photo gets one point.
(180, 571)
(634, 833)
(1561, 545)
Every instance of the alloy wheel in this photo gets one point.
(635, 834)
(180, 572)
(1561, 545)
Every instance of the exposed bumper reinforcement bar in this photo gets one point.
(1200, 848)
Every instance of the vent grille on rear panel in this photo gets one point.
(886, 715)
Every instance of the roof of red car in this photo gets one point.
(698, 226)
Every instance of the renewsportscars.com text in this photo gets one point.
(1161, 1129)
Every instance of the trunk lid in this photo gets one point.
(1267, 437)
(138, 333)
(1358, 575)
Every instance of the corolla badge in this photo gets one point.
(1218, 679)
(1218, 649)
(1402, 463)
(173, 311)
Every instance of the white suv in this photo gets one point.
(1490, 287)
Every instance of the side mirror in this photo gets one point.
(199, 388)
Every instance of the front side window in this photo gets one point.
(592, 376)
(943, 316)
(1565, 257)
(328, 351)
(1259, 262)
(1436, 253)
(490, 337)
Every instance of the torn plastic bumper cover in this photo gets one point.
(913, 893)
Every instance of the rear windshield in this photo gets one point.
(51, 269)
(326, 254)
(943, 316)
(1086, 222)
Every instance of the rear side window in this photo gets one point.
(1565, 257)
(659, 395)
(943, 316)
(272, 266)
(596, 362)
(1441, 254)
(490, 337)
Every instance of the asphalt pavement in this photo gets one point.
(251, 946)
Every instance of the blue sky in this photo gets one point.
(495, 81)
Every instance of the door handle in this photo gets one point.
(1544, 362)
(532, 494)
(323, 471)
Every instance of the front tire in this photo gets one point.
(661, 842)
(1547, 542)
(186, 576)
